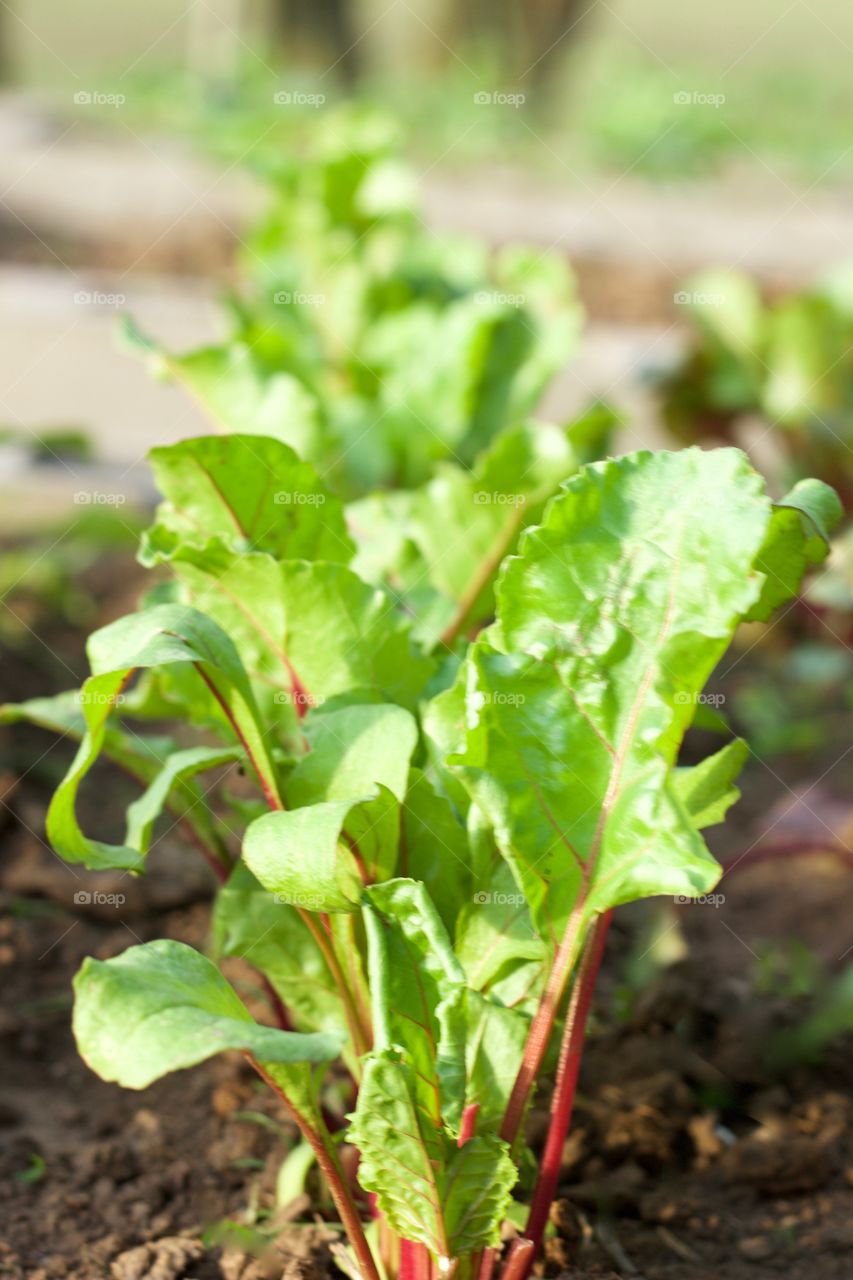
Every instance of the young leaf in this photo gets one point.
(451, 1199)
(351, 751)
(170, 784)
(494, 1048)
(419, 993)
(707, 790)
(797, 538)
(142, 758)
(494, 931)
(434, 849)
(238, 393)
(251, 491)
(452, 534)
(301, 856)
(162, 1006)
(163, 635)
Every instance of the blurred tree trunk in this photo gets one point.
(322, 29)
(552, 27)
(532, 36)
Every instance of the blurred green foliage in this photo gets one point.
(373, 346)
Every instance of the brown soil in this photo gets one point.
(689, 1158)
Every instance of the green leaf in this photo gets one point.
(451, 1199)
(248, 923)
(300, 855)
(238, 393)
(465, 523)
(143, 758)
(307, 632)
(162, 1006)
(452, 534)
(173, 777)
(611, 619)
(707, 790)
(798, 537)
(252, 492)
(806, 341)
(434, 849)
(494, 1049)
(418, 989)
(351, 751)
(160, 636)
(359, 754)
(494, 931)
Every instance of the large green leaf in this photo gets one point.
(162, 1006)
(609, 623)
(161, 636)
(249, 490)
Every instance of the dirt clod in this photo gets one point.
(165, 1259)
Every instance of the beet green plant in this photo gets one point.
(374, 347)
(439, 731)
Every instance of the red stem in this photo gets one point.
(468, 1127)
(282, 1017)
(520, 1259)
(540, 1030)
(571, 1049)
(415, 1262)
(329, 1167)
(267, 785)
(789, 848)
